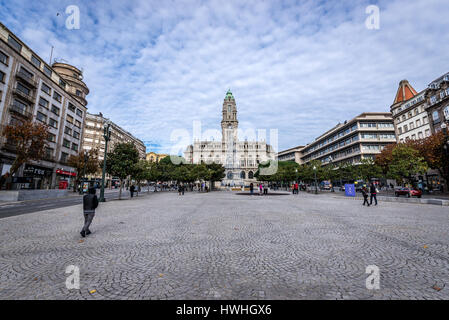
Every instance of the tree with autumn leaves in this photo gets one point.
(404, 160)
(28, 140)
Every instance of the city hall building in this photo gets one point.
(240, 158)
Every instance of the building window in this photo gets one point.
(57, 96)
(418, 123)
(446, 112)
(74, 147)
(427, 132)
(435, 117)
(433, 99)
(79, 93)
(66, 143)
(46, 89)
(26, 72)
(43, 102)
(51, 136)
(77, 123)
(14, 43)
(400, 130)
(420, 135)
(412, 125)
(3, 58)
(68, 131)
(79, 113)
(62, 83)
(41, 117)
(413, 136)
(424, 120)
(69, 119)
(48, 152)
(55, 109)
(71, 107)
(2, 77)
(53, 123)
(76, 134)
(36, 61)
(405, 128)
(23, 89)
(47, 71)
(64, 157)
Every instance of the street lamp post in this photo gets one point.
(316, 185)
(332, 184)
(107, 136)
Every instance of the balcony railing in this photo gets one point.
(27, 78)
(18, 110)
(23, 95)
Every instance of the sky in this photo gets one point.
(300, 67)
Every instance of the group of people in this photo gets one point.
(263, 188)
(372, 191)
(295, 188)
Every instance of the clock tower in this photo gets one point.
(229, 123)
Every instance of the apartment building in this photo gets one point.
(31, 89)
(359, 138)
(292, 154)
(437, 97)
(94, 139)
(409, 113)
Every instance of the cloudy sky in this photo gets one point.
(296, 66)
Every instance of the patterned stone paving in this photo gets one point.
(221, 245)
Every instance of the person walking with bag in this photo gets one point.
(90, 203)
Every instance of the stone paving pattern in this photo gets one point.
(221, 245)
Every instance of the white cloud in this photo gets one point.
(153, 67)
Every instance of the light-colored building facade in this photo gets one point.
(359, 138)
(155, 157)
(409, 113)
(292, 154)
(240, 158)
(31, 89)
(438, 102)
(94, 136)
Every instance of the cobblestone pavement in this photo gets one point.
(224, 246)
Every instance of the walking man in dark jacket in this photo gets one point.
(90, 203)
(373, 192)
(131, 190)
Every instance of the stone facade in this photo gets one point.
(155, 157)
(240, 158)
(438, 102)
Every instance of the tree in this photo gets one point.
(368, 169)
(385, 157)
(29, 140)
(140, 172)
(406, 162)
(432, 150)
(217, 172)
(121, 162)
(82, 166)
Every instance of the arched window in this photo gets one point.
(250, 175)
(242, 175)
(230, 175)
(435, 116)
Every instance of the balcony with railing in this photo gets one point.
(21, 94)
(27, 78)
(20, 111)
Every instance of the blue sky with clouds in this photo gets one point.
(297, 66)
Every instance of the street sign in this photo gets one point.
(350, 190)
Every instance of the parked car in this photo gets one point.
(408, 192)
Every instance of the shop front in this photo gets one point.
(37, 177)
(65, 179)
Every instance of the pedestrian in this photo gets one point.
(179, 189)
(131, 190)
(265, 188)
(365, 196)
(183, 188)
(90, 203)
(373, 192)
(251, 188)
(260, 189)
(296, 188)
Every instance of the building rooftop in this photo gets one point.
(405, 92)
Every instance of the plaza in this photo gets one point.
(221, 245)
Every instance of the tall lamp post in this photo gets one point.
(332, 184)
(107, 136)
(316, 185)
